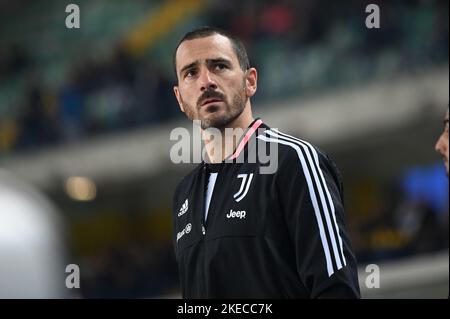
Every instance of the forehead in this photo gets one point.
(211, 47)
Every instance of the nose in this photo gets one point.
(439, 146)
(206, 81)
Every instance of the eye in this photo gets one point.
(189, 73)
(220, 66)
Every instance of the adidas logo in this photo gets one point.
(183, 208)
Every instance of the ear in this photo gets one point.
(251, 82)
(178, 96)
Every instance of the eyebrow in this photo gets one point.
(186, 67)
(208, 61)
(218, 60)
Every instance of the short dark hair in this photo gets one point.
(203, 32)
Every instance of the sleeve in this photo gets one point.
(311, 199)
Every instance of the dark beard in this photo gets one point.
(236, 109)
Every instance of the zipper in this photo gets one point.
(203, 263)
(205, 186)
(203, 230)
(204, 222)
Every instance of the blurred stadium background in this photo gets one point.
(85, 118)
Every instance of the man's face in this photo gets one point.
(212, 87)
(442, 143)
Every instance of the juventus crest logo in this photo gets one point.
(245, 185)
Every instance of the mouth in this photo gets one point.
(211, 101)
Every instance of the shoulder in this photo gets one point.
(300, 160)
(293, 151)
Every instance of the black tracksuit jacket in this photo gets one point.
(279, 235)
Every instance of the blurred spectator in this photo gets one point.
(71, 110)
(13, 60)
(38, 125)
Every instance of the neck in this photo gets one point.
(220, 146)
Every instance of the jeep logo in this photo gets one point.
(236, 214)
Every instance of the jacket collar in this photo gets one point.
(241, 147)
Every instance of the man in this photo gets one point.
(442, 146)
(239, 233)
(442, 143)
